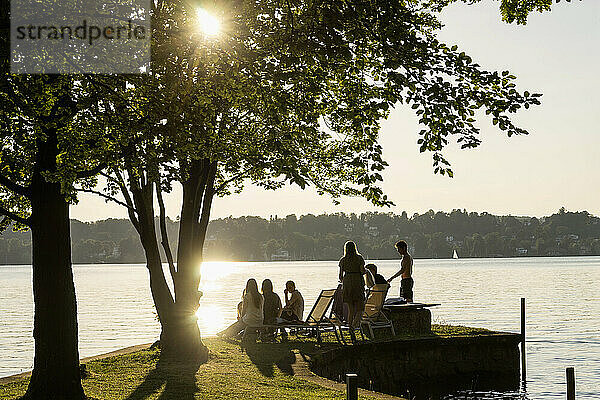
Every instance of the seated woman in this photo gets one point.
(251, 313)
(272, 303)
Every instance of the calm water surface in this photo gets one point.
(563, 307)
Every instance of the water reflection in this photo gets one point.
(473, 395)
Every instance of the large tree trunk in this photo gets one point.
(180, 335)
(56, 364)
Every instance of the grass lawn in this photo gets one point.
(455, 330)
(260, 371)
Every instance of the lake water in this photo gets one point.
(563, 307)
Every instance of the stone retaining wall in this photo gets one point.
(426, 367)
(413, 321)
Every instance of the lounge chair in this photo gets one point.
(373, 316)
(316, 322)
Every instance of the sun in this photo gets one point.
(208, 23)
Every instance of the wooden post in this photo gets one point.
(351, 387)
(570, 383)
(523, 358)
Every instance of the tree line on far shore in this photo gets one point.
(321, 237)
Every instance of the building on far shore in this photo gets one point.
(281, 255)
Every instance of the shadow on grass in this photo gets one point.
(267, 356)
(178, 379)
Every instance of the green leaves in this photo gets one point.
(512, 11)
(289, 93)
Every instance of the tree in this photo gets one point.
(44, 152)
(289, 94)
(47, 143)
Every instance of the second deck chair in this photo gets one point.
(316, 321)
(373, 316)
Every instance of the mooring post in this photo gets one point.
(351, 387)
(570, 383)
(523, 358)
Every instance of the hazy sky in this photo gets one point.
(557, 165)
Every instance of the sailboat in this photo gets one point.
(455, 254)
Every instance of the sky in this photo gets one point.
(557, 165)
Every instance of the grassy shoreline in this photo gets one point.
(259, 370)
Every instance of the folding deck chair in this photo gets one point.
(373, 315)
(316, 321)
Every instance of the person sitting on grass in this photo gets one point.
(251, 313)
(272, 303)
(294, 305)
(378, 278)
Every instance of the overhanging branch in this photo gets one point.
(234, 178)
(91, 172)
(104, 195)
(14, 217)
(10, 185)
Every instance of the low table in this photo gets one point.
(411, 318)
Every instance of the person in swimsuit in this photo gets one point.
(407, 282)
(352, 269)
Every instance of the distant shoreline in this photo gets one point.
(333, 260)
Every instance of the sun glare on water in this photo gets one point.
(208, 23)
(216, 270)
(217, 305)
(211, 319)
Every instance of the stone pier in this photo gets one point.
(427, 366)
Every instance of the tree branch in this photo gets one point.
(235, 177)
(10, 185)
(207, 203)
(14, 217)
(164, 234)
(110, 198)
(199, 167)
(131, 207)
(91, 172)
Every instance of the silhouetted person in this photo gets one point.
(377, 278)
(406, 267)
(272, 303)
(251, 313)
(352, 269)
(294, 305)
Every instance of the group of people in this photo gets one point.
(266, 308)
(354, 275)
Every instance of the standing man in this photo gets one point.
(407, 282)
